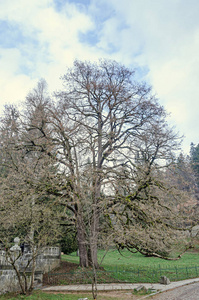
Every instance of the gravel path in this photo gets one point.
(187, 292)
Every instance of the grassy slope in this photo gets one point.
(130, 267)
(113, 258)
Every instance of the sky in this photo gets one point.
(160, 38)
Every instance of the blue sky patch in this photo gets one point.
(90, 38)
(10, 35)
(59, 4)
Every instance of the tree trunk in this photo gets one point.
(15, 267)
(94, 238)
(82, 242)
(94, 232)
(33, 272)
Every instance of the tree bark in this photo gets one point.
(94, 239)
(82, 242)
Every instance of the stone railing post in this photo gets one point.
(16, 249)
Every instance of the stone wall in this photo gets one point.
(48, 259)
(8, 279)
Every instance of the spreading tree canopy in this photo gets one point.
(109, 145)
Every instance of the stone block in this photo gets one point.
(164, 280)
(141, 288)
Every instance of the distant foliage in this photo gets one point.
(69, 243)
(194, 153)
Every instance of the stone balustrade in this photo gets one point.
(47, 259)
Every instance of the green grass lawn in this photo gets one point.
(113, 258)
(130, 267)
(38, 295)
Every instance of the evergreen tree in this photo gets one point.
(194, 153)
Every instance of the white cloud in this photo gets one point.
(164, 37)
(50, 44)
(160, 36)
(13, 86)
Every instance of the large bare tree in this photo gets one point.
(107, 139)
(105, 118)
